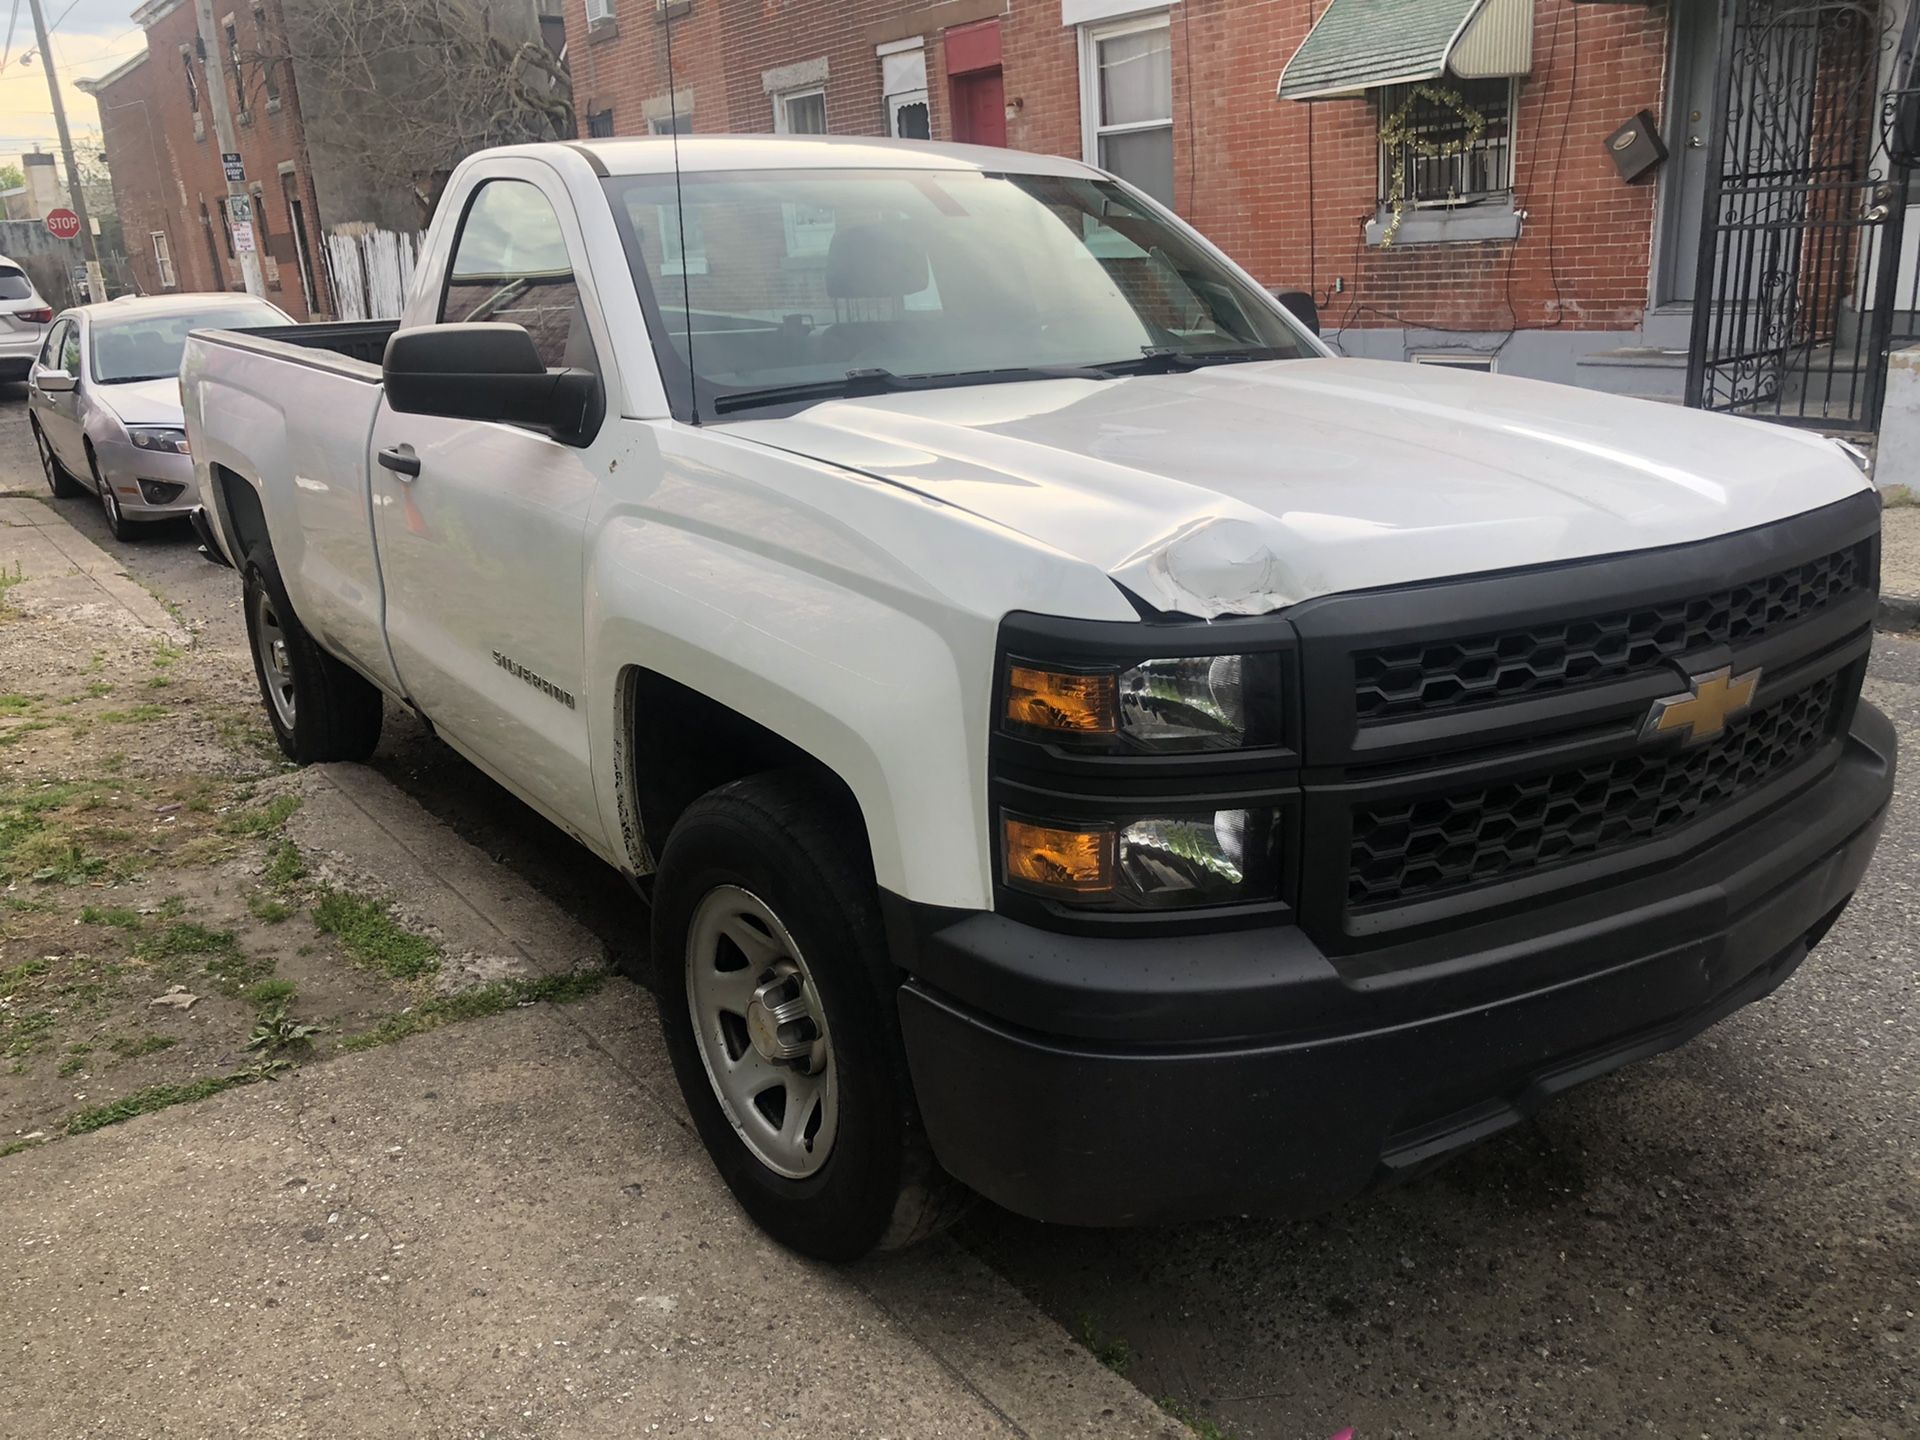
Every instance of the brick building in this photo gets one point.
(169, 185)
(336, 235)
(1440, 174)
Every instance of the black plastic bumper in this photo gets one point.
(1100, 1081)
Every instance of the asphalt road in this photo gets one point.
(1724, 1241)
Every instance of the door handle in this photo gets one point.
(401, 460)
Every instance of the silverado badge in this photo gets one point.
(1702, 713)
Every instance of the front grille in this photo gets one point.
(1412, 849)
(1427, 678)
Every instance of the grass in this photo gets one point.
(30, 842)
(16, 704)
(265, 908)
(478, 1004)
(51, 855)
(373, 938)
(183, 939)
(9, 579)
(131, 1047)
(14, 1147)
(230, 968)
(1197, 1423)
(285, 867)
(24, 971)
(76, 1060)
(266, 994)
(25, 1034)
(1110, 1350)
(119, 917)
(155, 1097)
(263, 821)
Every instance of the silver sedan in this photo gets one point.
(104, 400)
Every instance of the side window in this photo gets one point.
(56, 337)
(70, 351)
(510, 264)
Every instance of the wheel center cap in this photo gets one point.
(763, 1030)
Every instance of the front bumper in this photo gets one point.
(1098, 1081)
(124, 466)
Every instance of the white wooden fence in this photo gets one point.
(372, 270)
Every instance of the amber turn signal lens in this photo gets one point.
(1056, 700)
(1059, 862)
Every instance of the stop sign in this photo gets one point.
(63, 224)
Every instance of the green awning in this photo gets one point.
(1360, 45)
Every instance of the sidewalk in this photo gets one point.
(502, 1228)
(1900, 567)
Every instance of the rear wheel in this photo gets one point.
(63, 485)
(319, 708)
(777, 1004)
(117, 522)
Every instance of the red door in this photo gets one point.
(980, 108)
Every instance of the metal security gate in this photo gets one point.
(1794, 298)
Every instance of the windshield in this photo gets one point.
(148, 347)
(799, 278)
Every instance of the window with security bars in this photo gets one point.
(1480, 169)
(600, 124)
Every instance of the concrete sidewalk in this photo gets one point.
(500, 1229)
(63, 572)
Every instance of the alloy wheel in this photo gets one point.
(762, 1032)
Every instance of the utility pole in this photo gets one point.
(213, 61)
(96, 277)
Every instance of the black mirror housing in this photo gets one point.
(488, 371)
(1301, 306)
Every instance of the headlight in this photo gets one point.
(1197, 702)
(1154, 862)
(171, 439)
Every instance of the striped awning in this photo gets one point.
(1360, 45)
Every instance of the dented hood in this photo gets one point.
(1241, 489)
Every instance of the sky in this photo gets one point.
(90, 37)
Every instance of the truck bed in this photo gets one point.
(356, 339)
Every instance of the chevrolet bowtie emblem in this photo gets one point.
(1703, 712)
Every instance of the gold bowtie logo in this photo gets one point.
(1703, 712)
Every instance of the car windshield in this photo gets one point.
(148, 347)
(817, 280)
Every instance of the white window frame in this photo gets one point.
(897, 100)
(163, 259)
(1478, 361)
(599, 11)
(782, 98)
(1091, 130)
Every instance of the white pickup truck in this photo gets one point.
(1082, 740)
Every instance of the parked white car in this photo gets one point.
(24, 318)
(1080, 737)
(103, 401)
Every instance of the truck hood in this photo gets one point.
(144, 402)
(1241, 489)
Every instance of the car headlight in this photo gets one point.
(1194, 702)
(1152, 862)
(170, 438)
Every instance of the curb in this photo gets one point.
(1898, 613)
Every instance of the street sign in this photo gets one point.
(63, 224)
(242, 235)
(235, 167)
(240, 209)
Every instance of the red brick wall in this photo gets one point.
(146, 114)
(1284, 187)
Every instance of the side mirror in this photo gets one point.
(56, 382)
(1300, 304)
(485, 371)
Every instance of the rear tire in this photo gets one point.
(59, 479)
(783, 847)
(320, 709)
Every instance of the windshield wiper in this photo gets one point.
(1167, 360)
(856, 384)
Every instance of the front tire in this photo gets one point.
(118, 525)
(320, 709)
(777, 1005)
(59, 480)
